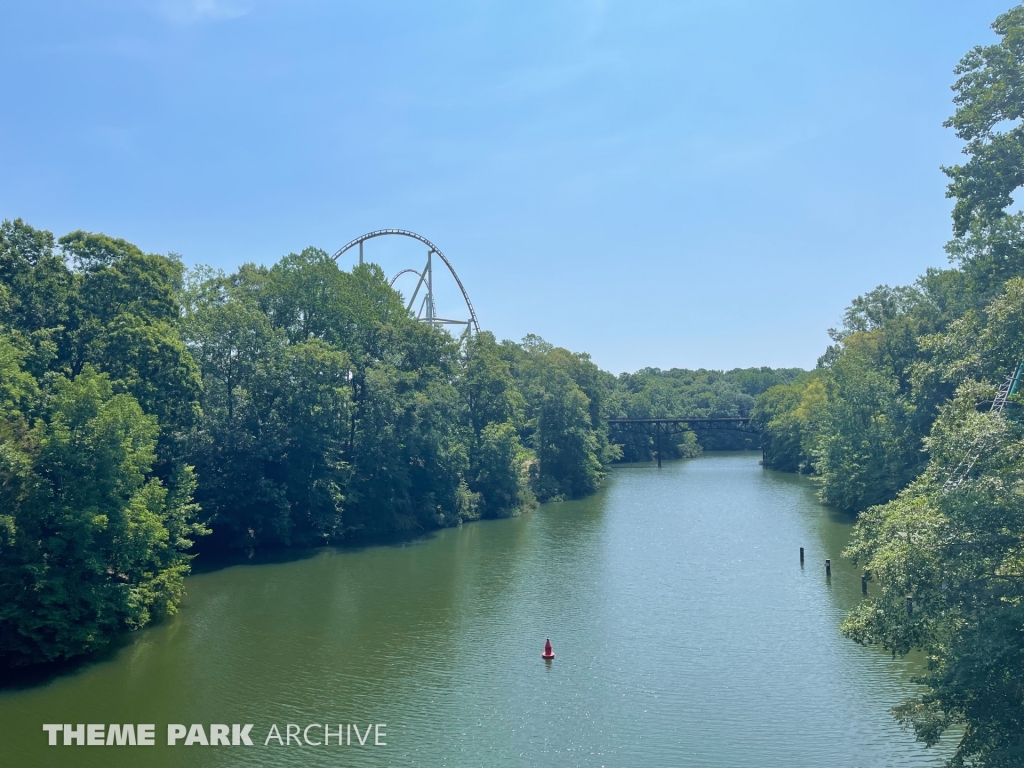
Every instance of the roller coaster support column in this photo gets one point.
(1016, 380)
(430, 287)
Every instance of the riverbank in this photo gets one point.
(686, 635)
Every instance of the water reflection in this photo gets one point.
(685, 630)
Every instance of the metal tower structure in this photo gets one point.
(426, 311)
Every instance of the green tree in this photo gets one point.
(564, 441)
(790, 419)
(149, 359)
(240, 356)
(313, 411)
(488, 385)
(37, 295)
(92, 544)
(124, 280)
(869, 447)
(499, 462)
(956, 552)
(326, 407)
(990, 104)
(500, 471)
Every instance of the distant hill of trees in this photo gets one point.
(651, 393)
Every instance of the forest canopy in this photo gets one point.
(149, 412)
(898, 423)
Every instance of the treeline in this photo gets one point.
(899, 409)
(653, 393)
(145, 409)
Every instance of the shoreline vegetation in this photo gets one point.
(149, 412)
(896, 424)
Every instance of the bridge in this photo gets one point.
(674, 425)
(426, 312)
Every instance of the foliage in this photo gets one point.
(97, 397)
(867, 448)
(90, 542)
(904, 404)
(653, 393)
(989, 95)
(295, 404)
(566, 409)
(143, 406)
(959, 554)
(500, 471)
(499, 462)
(789, 418)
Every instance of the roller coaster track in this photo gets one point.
(963, 469)
(472, 324)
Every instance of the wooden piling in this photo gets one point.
(863, 585)
(910, 605)
(801, 555)
(828, 567)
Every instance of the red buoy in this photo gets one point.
(548, 653)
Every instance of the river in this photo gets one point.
(686, 632)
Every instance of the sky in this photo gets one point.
(685, 183)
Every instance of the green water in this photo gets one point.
(686, 634)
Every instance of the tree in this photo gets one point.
(878, 309)
(98, 398)
(143, 285)
(496, 410)
(500, 471)
(308, 400)
(37, 294)
(956, 555)
(150, 360)
(564, 441)
(92, 544)
(488, 385)
(313, 411)
(790, 420)
(990, 104)
(239, 355)
(868, 448)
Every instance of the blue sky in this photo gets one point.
(688, 184)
